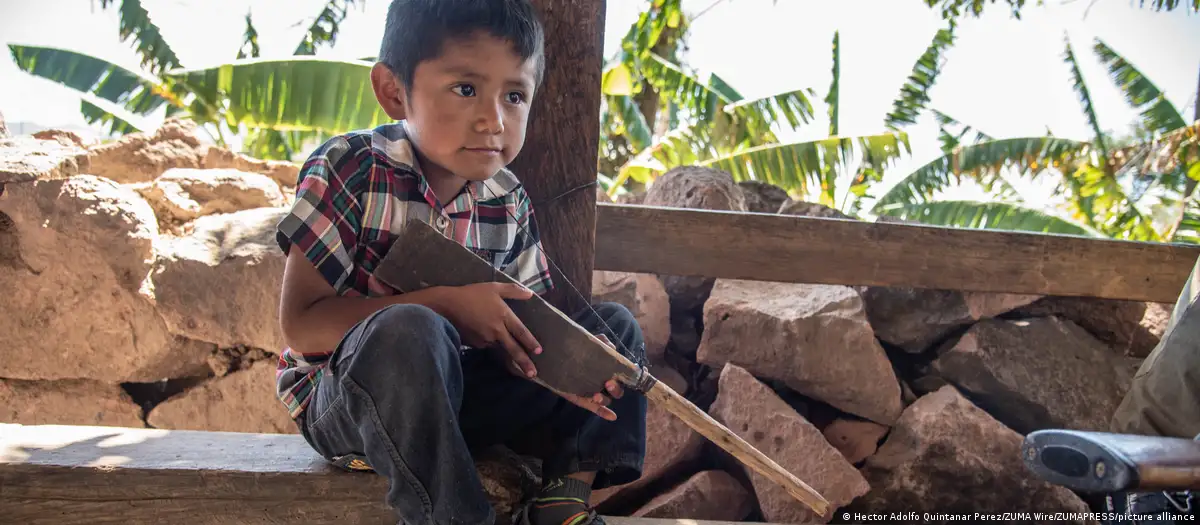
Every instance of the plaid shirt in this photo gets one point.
(355, 191)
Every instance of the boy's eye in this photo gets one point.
(516, 97)
(465, 90)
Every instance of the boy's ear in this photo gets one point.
(388, 91)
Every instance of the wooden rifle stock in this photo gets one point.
(1109, 462)
(575, 361)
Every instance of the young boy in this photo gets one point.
(408, 383)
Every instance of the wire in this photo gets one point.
(643, 379)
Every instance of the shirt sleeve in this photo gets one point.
(527, 261)
(324, 221)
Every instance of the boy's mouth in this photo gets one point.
(485, 150)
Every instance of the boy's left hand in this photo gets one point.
(598, 402)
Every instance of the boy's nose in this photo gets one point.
(490, 119)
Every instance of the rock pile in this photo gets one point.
(141, 283)
(883, 399)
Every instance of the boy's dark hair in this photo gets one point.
(416, 29)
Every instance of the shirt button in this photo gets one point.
(441, 223)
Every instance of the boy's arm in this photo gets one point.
(314, 317)
(320, 235)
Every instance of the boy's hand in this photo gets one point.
(483, 320)
(596, 403)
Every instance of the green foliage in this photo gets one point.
(283, 104)
(955, 9)
(951, 139)
(1158, 115)
(109, 94)
(983, 163)
(1085, 97)
(914, 94)
(990, 216)
(157, 56)
(325, 26)
(249, 47)
(831, 99)
(294, 94)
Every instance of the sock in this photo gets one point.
(562, 501)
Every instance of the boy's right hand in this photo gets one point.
(483, 320)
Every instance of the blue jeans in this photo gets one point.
(401, 393)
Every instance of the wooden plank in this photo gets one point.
(783, 248)
(560, 148)
(84, 474)
(68, 475)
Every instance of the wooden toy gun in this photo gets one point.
(579, 362)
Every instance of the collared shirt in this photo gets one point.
(356, 191)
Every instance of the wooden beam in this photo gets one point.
(66, 475)
(784, 248)
(561, 145)
(88, 474)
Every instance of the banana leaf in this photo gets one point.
(108, 93)
(802, 166)
(1158, 115)
(1085, 97)
(987, 215)
(914, 94)
(294, 94)
(325, 27)
(982, 162)
(156, 54)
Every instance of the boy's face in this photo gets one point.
(467, 111)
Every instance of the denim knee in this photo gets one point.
(624, 326)
(403, 340)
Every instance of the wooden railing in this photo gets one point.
(785, 248)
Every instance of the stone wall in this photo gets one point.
(141, 282)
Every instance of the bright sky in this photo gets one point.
(1005, 77)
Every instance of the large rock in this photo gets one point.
(856, 439)
(1150, 330)
(811, 209)
(672, 450)
(1130, 327)
(755, 413)
(243, 401)
(709, 495)
(184, 194)
(1037, 373)
(282, 172)
(813, 338)
(221, 283)
(67, 402)
(138, 157)
(645, 297)
(697, 188)
(762, 197)
(75, 262)
(26, 159)
(915, 319)
(947, 456)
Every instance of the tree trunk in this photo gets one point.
(558, 163)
